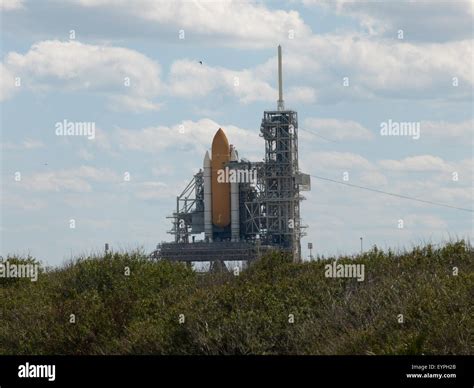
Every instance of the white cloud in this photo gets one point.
(372, 178)
(462, 131)
(444, 191)
(392, 176)
(75, 66)
(302, 94)
(92, 200)
(133, 104)
(18, 201)
(150, 190)
(85, 154)
(163, 170)
(11, 5)
(420, 20)
(196, 135)
(419, 163)
(190, 79)
(454, 194)
(27, 144)
(333, 160)
(465, 170)
(374, 68)
(98, 224)
(337, 129)
(381, 68)
(227, 22)
(78, 180)
(7, 83)
(425, 221)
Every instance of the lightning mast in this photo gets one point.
(280, 103)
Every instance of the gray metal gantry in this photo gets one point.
(281, 197)
(189, 216)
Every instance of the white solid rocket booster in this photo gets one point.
(234, 202)
(207, 198)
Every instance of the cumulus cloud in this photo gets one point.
(125, 75)
(20, 202)
(454, 194)
(334, 160)
(373, 178)
(425, 221)
(392, 176)
(420, 20)
(11, 5)
(77, 180)
(151, 190)
(7, 83)
(135, 104)
(417, 163)
(381, 68)
(442, 190)
(337, 129)
(194, 135)
(373, 68)
(27, 144)
(227, 22)
(85, 154)
(301, 94)
(190, 79)
(459, 132)
(315, 64)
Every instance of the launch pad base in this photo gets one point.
(215, 251)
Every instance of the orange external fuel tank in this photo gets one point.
(220, 190)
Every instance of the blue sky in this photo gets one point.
(158, 127)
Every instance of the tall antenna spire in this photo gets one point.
(281, 103)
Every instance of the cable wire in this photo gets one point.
(393, 194)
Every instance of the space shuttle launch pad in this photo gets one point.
(221, 219)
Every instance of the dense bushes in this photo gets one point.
(125, 304)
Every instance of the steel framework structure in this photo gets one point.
(275, 213)
(189, 215)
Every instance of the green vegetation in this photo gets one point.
(245, 314)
